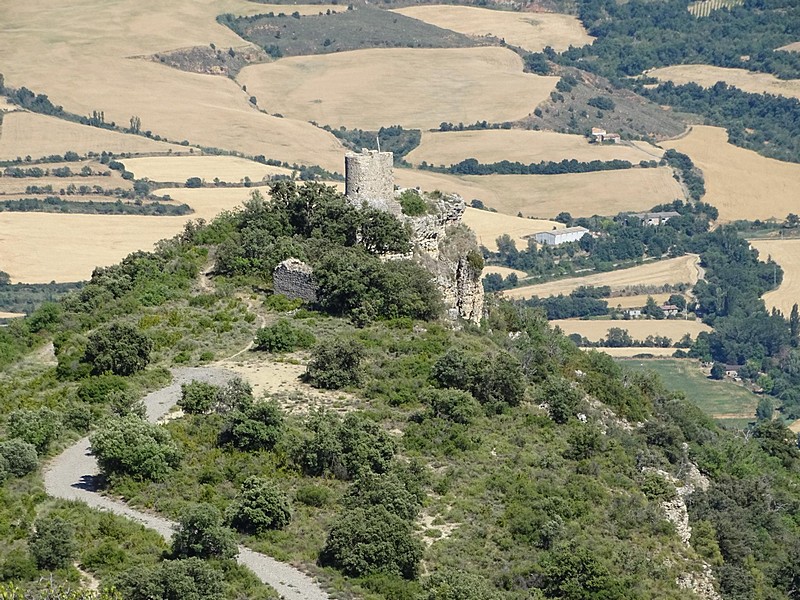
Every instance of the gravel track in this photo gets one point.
(73, 475)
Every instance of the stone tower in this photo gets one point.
(369, 179)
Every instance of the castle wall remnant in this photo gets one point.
(295, 279)
(369, 179)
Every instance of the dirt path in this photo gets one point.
(73, 475)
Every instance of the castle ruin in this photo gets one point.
(369, 179)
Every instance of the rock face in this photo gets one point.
(295, 279)
(369, 179)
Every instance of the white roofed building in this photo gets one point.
(556, 237)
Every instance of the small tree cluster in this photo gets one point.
(260, 506)
(37, 427)
(561, 398)
(190, 579)
(52, 544)
(201, 533)
(335, 364)
(254, 427)
(18, 457)
(198, 397)
(118, 348)
(283, 336)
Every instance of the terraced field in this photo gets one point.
(489, 226)
(639, 329)
(230, 169)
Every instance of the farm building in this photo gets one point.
(656, 218)
(670, 310)
(556, 237)
(598, 133)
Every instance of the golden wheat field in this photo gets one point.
(793, 47)
(27, 134)
(636, 301)
(10, 315)
(93, 42)
(17, 185)
(303, 9)
(231, 169)
(525, 146)
(787, 254)
(639, 329)
(748, 81)
(489, 226)
(544, 196)
(531, 31)
(399, 86)
(502, 271)
(683, 269)
(740, 183)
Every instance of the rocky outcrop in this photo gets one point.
(295, 279)
(428, 230)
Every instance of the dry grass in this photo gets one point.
(630, 352)
(28, 134)
(748, 81)
(494, 145)
(544, 196)
(44, 247)
(793, 47)
(17, 185)
(502, 271)
(787, 254)
(10, 315)
(636, 301)
(740, 183)
(488, 226)
(410, 87)
(230, 169)
(303, 9)
(81, 57)
(639, 329)
(532, 31)
(683, 269)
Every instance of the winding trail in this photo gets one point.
(73, 475)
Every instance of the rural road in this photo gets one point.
(72, 475)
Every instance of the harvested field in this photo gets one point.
(502, 271)
(636, 301)
(525, 146)
(303, 9)
(489, 226)
(230, 169)
(632, 351)
(471, 84)
(747, 81)
(793, 47)
(683, 269)
(638, 329)
(29, 134)
(10, 315)
(544, 196)
(740, 183)
(93, 43)
(44, 247)
(17, 185)
(795, 426)
(787, 254)
(531, 31)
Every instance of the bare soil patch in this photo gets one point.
(545, 196)
(488, 226)
(415, 88)
(740, 183)
(531, 31)
(525, 146)
(683, 269)
(178, 169)
(748, 81)
(787, 254)
(638, 329)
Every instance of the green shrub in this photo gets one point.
(283, 337)
(457, 585)
(20, 457)
(37, 427)
(95, 390)
(386, 490)
(197, 397)
(190, 579)
(561, 398)
(313, 495)
(373, 540)
(17, 566)
(256, 427)
(452, 405)
(118, 348)
(280, 303)
(200, 533)
(335, 364)
(260, 506)
(52, 544)
(412, 203)
(131, 446)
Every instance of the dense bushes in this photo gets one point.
(260, 506)
(197, 397)
(254, 427)
(118, 348)
(52, 543)
(200, 533)
(133, 447)
(38, 428)
(335, 364)
(20, 457)
(283, 336)
(190, 579)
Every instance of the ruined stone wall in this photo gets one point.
(295, 279)
(369, 178)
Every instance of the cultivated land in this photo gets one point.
(748, 81)
(722, 400)
(532, 31)
(636, 301)
(787, 254)
(489, 226)
(544, 196)
(683, 269)
(525, 146)
(230, 169)
(44, 247)
(303, 9)
(595, 329)
(630, 351)
(411, 87)
(740, 183)
(502, 271)
(793, 47)
(28, 134)
(91, 43)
